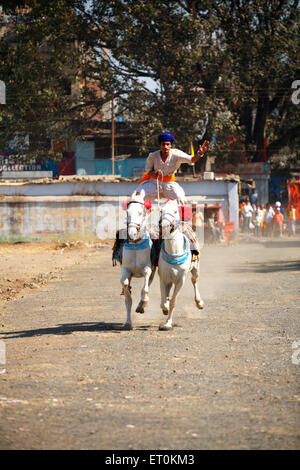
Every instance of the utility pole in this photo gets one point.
(112, 135)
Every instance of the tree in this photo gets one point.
(219, 68)
(262, 43)
(40, 64)
(235, 54)
(163, 41)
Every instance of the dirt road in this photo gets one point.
(226, 377)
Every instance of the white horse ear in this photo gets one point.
(134, 196)
(142, 194)
(138, 196)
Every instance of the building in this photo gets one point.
(93, 156)
(80, 207)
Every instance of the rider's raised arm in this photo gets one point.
(182, 157)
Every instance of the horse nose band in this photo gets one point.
(171, 218)
(134, 225)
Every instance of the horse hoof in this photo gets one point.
(140, 307)
(165, 311)
(200, 304)
(127, 326)
(165, 327)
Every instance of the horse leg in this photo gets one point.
(165, 299)
(195, 275)
(152, 275)
(145, 290)
(125, 281)
(169, 323)
(164, 296)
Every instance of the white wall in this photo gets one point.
(69, 210)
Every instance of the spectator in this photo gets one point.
(214, 231)
(278, 222)
(258, 220)
(248, 212)
(268, 220)
(263, 228)
(291, 221)
(241, 215)
(254, 197)
(278, 206)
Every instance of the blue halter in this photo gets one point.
(145, 243)
(176, 259)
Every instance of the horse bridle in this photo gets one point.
(133, 224)
(172, 222)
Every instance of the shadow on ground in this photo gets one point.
(271, 243)
(65, 329)
(69, 328)
(271, 267)
(279, 243)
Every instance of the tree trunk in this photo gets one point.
(260, 124)
(246, 120)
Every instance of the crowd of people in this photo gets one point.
(267, 220)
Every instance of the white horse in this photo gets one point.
(136, 255)
(175, 261)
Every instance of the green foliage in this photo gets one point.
(262, 43)
(219, 68)
(166, 42)
(38, 64)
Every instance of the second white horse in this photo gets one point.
(175, 262)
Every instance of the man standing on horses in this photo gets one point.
(162, 165)
(160, 170)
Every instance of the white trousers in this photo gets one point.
(170, 190)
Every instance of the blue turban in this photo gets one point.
(166, 137)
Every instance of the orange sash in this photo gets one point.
(165, 179)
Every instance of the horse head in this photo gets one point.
(170, 218)
(137, 210)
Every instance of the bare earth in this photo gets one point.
(226, 377)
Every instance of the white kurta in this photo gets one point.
(169, 167)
